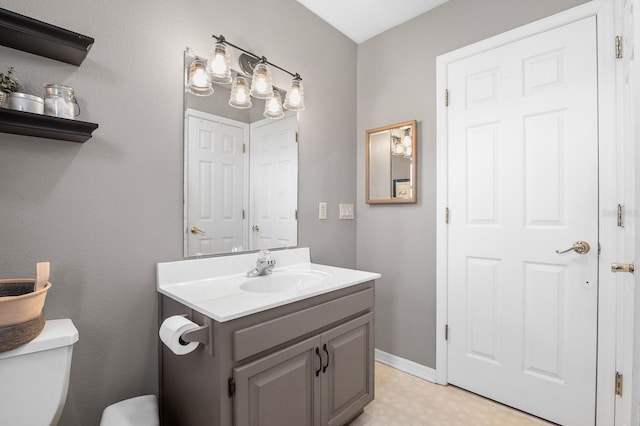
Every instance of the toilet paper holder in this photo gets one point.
(200, 334)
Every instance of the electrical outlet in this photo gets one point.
(346, 211)
(322, 211)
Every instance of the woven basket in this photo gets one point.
(21, 318)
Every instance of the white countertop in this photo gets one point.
(212, 286)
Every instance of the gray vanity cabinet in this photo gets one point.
(307, 363)
(280, 389)
(347, 380)
(324, 380)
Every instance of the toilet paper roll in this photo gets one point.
(170, 331)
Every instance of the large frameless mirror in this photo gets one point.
(240, 173)
(391, 164)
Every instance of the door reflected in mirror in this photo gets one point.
(391, 167)
(240, 176)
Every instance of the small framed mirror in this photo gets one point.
(391, 166)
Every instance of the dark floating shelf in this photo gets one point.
(44, 126)
(37, 37)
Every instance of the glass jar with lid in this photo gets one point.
(60, 101)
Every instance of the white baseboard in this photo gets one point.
(406, 366)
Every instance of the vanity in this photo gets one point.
(295, 347)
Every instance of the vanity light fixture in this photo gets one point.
(240, 93)
(199, 82)
(261, 82)
(273, 106)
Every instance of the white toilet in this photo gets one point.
(34, 380)
(138, 411)
(35, 376)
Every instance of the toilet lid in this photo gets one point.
(55, 334)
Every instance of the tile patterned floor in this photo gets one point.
(405, 400)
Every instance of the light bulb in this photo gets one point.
(261, 85)
(273, 106)
(408, 152)
(241, 96)
(200, 78)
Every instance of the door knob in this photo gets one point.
(256, 228)
(195, 230)
(580, 247)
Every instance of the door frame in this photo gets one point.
(608, 147)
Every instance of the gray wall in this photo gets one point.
(397, 82)
(106, 211)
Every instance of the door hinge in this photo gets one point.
(244, 148)
(446, 215)
(619, 216)
(243, 214)
(618, 383)
(618, 47)
(446, 332)
(232, 387)
(446, 97)
(296, 214)
(296, 137)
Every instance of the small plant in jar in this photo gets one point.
(8, 84)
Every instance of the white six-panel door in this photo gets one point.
(274, 184)
(523, 183)
(215, 163)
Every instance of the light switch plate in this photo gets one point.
(322, 211)
(346, 211)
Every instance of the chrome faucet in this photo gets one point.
(264, 266)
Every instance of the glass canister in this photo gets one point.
(59, 101)
(25, 102)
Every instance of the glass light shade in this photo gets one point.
(240, 93)
(406, 139)
(261, 83)
(294, 101)
(198, 82)
(219, 67)
(273, 106)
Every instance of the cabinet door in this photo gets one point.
(280, 389)
(347, 380)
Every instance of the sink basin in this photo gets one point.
(283, 281)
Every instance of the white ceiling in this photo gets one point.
(362, 19)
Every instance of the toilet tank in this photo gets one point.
(34, 378)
